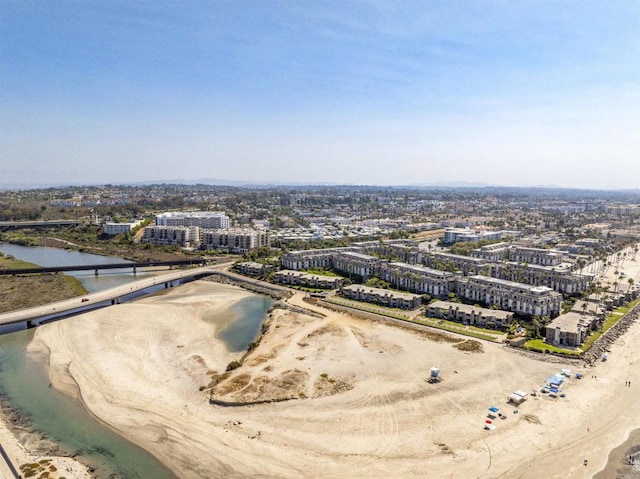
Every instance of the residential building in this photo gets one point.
(418, 279)
(494, 253)
(312, 258)
(113, 229)
(561, 279)
(447, 261)
(384, 297)
(251, 268)
(203, 219)
(570, 329)
(455, 235)
(542, 256)
(172, 235)
(234, 240)
(299, 278)
(471, 315)
(511, 296)
(395, 250)
(360, 265)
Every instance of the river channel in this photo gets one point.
(25, 386)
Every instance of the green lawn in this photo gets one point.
(453, 327)
(540, 345)
(453, 324)
(321, 272)
(486, 334)
(613, 318)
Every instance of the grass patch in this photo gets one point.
(479, 333)
(613, 318)
(538, 345)
(452, 327)
(370, 308)
(322, 272)
(454, 324)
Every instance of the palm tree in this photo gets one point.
(630, 282)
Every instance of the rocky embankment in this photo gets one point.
(261, 287)
(604, 342)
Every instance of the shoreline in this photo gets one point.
(618, 464)
(25, 445)
(396, 421)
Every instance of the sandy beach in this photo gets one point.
(359, 403)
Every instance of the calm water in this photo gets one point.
(248, 317)
(26, 386)
(58, 257)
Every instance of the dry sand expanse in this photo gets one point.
(362, 406)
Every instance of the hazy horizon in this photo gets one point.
(361, 93)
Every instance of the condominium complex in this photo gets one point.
(455, 235)
(493, 252)
(384, 297)
(570, 329)
(561, 279)
(545, 257)
(234, 240)
(172, 235)
(449, 261)
(356, 264)
(511, 296)
(418, 279)
(203, 219)
(299, 278)
(467, 314)
(396, 250)
(112, 229)
(313, 258)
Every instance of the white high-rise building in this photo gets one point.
(217, 220)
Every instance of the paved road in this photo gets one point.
(73, 304)
(7, 470)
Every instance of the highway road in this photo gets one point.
(86, 301)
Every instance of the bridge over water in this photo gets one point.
(6, 225)
(102, 298)
(97, 267)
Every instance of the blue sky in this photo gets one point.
(502, 92)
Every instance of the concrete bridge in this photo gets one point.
(6, 225)
(102, 298)
(97, 267)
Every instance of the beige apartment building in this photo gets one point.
(418, 279)
(383, 297)
(234, 240)
(542, 256)
(299, 278)
(511, 296)
(471, 315)
(312, 258)
(172, 235)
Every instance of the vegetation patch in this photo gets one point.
(539, 346)
(326, 385)
(470, 345)
(26, 291)
(234, 384)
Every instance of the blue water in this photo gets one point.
(248, 316)
(24, 382)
